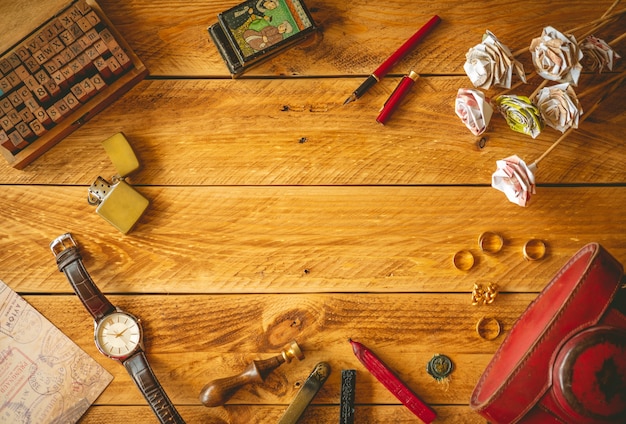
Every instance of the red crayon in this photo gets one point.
(392, 383)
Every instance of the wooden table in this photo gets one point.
(277, 213)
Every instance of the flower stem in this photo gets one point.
(517, 84)
(586, 115)
(603, 84)
(611, 7)
(603, 20)
(556, 143)
(600, 22)
(539, 87)
(534, 73)
(617, 40)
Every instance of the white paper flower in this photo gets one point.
(521, 115)
(559, 106)
(515, 179)
(491, 63)
(473, 109)
(598, 54)
(556, 56)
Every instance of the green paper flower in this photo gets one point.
(521, 115)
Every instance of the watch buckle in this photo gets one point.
(62, 243)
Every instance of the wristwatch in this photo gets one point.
(118, 334)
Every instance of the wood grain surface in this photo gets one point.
(277, 213)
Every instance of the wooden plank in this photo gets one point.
(281, 132)
(193, 339)
(306, 239)
(271, 414)
(354, 38)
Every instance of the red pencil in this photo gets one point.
(404, 49)
(400, 390)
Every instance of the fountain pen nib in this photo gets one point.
(350, 99)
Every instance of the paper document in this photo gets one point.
(44, 376)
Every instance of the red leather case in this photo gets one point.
(564, 360)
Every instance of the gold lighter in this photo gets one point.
(118, 202)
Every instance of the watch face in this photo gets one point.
(118, 335)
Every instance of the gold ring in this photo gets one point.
(463, 260)
(488, 328)
(490, 242)
(534, 250)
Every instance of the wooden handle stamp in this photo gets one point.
(217, 392)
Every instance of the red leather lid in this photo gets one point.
(590, 376)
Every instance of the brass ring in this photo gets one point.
(463, 260)
(490, 242)
(488, 328)
(534, 250)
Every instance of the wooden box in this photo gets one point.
(29, 25)
(253, 31)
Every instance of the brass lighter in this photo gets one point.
(118, 202)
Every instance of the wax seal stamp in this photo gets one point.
(217, 392)
(346, 403)
(440, 367)
(307, 392)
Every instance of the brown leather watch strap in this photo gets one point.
(138, 367)
(70, 263)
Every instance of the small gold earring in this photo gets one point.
(482, 295)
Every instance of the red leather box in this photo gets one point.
(564, 360)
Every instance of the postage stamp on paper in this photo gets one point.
(44, 376)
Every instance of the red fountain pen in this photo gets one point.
(386, 66)
(392, 383)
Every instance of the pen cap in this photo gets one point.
(396, 97)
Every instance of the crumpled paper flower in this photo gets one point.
(491, 63)
(473, 109)
(559, 106)
(556, 56)
(515, 179)
(521, 115)
(598, 54)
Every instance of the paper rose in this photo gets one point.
(491, 63)
(598, 54)
(521, 115)
(473, 109)
(556, 56)
(514, 179)
(559, 106)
